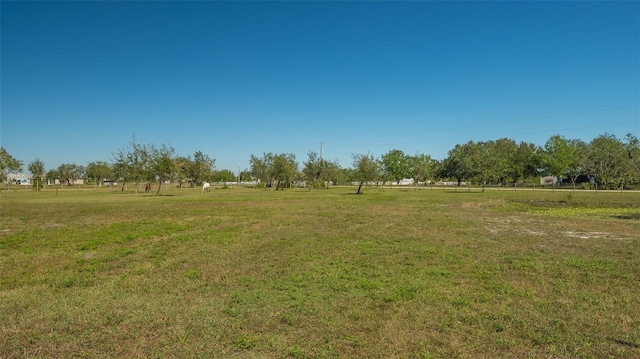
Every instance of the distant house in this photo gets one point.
(73, 182)
(19, 178)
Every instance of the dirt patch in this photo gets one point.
(587, 235)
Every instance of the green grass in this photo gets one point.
(247, 273)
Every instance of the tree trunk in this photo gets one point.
(359, 187)
(159, 186)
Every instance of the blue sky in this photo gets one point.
(232, 79)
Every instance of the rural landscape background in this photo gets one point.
(606, 163)
(387, 179)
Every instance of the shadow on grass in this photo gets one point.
(631, 216)
(464, 192)
(625, 343)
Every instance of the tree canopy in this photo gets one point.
(610, 161)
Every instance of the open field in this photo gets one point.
(247, 273)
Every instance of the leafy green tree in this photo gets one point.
(503, 162)
(608, 161)
(283, 169)
(332, 173)
(484, 166)
(122, 168)
(524, 162)
(98, 171)
(182, 167)
(560, 157)
(579, 164)
(422, 168)
(161, 163)
(37, 170)
(53, 175)
(202, 168)
(312, 169)
(139, 162)
(395, 166)
(246, 175)
(458, 164)
(260, 167)
(70, 172)
(632, 146)
(484, 162)
(8, 164)
(366, 169)
(315, 170)
(318, 171)
(132, 164)
(224, 176)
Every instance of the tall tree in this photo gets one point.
(484, 166)
(246, 175)
(202, 168)
(183, 165)
(421, 168)
(504, 151)
(8, 164)
(122, 169)
(632, 145)
(395, 166)
(579, 163)
(260, 166)
(99, 171)
(70, 172)
(560, 156)
(53, 175)
(524, 163)
(608, 158)
(224, 176)
(319, 171)
(332, 173)
(366, 169)
(131, 164)
(161, 163)
(458, 164)
(283, 169)
(313, 170)
(37, 170)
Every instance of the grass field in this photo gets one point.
(248, 273)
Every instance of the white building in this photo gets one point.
(19, 178)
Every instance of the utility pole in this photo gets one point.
(321, 150)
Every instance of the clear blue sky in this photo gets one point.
(231, 79)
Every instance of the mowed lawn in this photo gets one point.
(251, 273)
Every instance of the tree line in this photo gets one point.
(606, 161)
